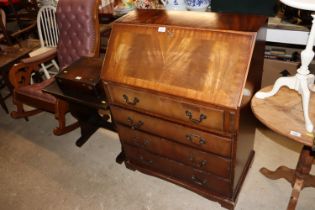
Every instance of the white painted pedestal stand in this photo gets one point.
(303, 80)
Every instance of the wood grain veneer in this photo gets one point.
(174, 82)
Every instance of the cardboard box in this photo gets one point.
(273, 69)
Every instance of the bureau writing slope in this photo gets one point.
(174, 82)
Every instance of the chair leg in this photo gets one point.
(21, 113)
(60, 115)
(44, 69)
(55, 64)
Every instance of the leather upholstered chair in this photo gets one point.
(78, 37)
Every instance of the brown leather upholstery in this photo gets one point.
(78, 35)
(35, 91)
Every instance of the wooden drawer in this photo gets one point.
(174, 109)
(185, 174)
(200, 160)
(192, 137)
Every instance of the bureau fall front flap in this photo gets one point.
(169, 54)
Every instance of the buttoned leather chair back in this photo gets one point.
(78, 34)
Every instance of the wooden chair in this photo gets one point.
(78, 36)
(48, 35)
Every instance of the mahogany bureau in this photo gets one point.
(174, 82)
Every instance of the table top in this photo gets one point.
(283, 114)
(87, 100)
(9, 54)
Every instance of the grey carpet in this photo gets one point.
(41, 171)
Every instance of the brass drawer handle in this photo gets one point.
(196, 163)
(133, 103)
(201, 117)
(199, 181)
(147, 162)
(134, 126)
(195, 139)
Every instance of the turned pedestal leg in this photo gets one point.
(89, 120)
(301, 82)
(299, 178)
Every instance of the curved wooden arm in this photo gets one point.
(20, 73)
(38, 59)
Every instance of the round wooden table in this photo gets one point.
(283, 114)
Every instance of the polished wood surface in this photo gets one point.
(10, 54)
(88, 100)
(283, 113)
(209, 142)
(195, 56)
(174, 83)
(151, 102)
(82, 78)
(190, 176)
(201, 160)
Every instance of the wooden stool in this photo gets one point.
(283, 114)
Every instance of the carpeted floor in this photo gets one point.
(41, 171)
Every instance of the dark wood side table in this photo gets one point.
(283, 114)
(86, 109)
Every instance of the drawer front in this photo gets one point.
(200, 160)
(186, 174)
(193, 115)
(192, 137)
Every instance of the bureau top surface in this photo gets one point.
(206, 20)
(201, 57)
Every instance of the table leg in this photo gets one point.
(89, 120)
(87, 130)
(299, 178)
(302, 175)
(298, 185)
